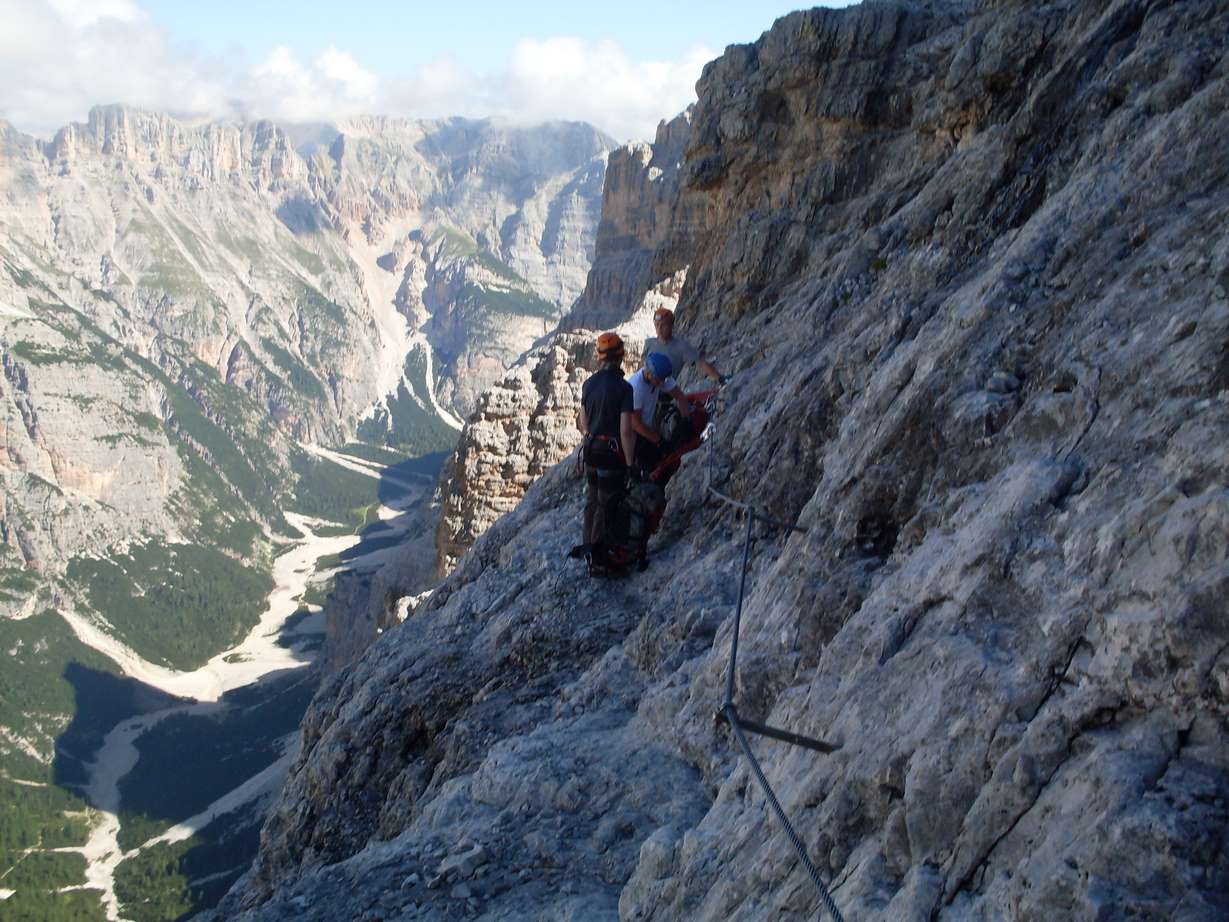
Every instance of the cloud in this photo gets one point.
(559, 78)
(598, 82)
(333, 85)
(340, 69)
(81, 13)
(60, 57)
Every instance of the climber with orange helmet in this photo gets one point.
(606, 420)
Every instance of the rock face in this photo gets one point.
(973, 281)
(523, 425)
(643, 237)
(436, 213)
(167, 287)
(486, 231)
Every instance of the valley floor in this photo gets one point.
(273, 645)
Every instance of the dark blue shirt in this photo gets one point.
(605, 396)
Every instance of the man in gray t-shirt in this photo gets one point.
(676, 348)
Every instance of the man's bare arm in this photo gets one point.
(708, 369)
(582, 421)
(681, 399)
(627, 434)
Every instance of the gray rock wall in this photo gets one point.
(643, 237)
(523, 425)
(974, 282)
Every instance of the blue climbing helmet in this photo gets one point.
(660, 365)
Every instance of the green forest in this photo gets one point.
(177, 604)
(187, 762)
(39, 807)
(167, 883)
(329, 491)
(38, 815)
(28, 905)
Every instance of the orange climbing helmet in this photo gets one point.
(663, 313)
(609, 347)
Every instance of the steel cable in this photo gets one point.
(728, 710)
(829, 904)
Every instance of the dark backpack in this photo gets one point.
(680, 434)
(643, 505)
(629, 525)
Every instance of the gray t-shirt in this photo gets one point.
(678, 349)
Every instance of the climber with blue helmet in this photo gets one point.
(652, 379)
(660, 365)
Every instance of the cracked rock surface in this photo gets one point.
(969, 265)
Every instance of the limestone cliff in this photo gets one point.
(970, 261)
(522, 426)
(643, 237)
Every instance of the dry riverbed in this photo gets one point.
(263, 651)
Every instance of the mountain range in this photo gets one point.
(962, 510)
(188, 311)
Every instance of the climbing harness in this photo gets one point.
(729, 710)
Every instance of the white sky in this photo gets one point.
(622, 67)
